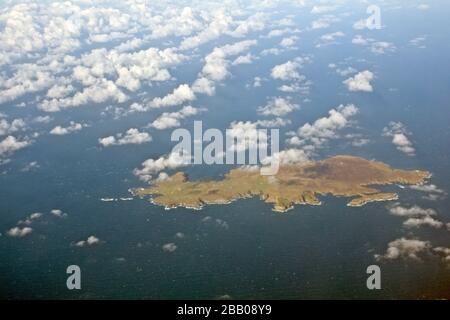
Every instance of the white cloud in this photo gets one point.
(90, 241)
(443, 252)
(29, 220)
(319, 9)
(345, 72)
(278, 32)
(286, 71)
(100, 91)
(150, 167)
(329, 38)
(172, 119)
(376, 47)
(131, 136)
(103, 73)
(382, 47)
(10, 144)
(216, 64)
(245, 59)
(205, 86)
(360, 40)
(360, 142)
(423, 6)
(59, 91)
(414, 211)
(418, 42)
(42, 119)
(30, 166)
(180, 95)
(29, 78)
(360, 82)
(169, 247)
(18, 232)
(425, 221)
(129, 45)
(399, 134)
(294, 87)
(247, 129)
(273, 123)
(58, 213)
(405, 249)
(289, 156)
(360, 24)
(255, 22)
(73, 127)
(288, 42)
(429, 188)
(324, 22)
(7, 128)
(314, 135)
(219, 23)
(257, 82)
(272, 51)
(278, 106)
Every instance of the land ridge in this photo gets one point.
(294, 184)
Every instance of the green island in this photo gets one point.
(340, 176)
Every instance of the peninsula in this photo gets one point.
(340, 176)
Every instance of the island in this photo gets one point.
(294, 184)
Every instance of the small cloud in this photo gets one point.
(399, 134)
(288, 42)
(179, 235)
(10, 144)
(273, 123)
(286, 71)
(424, 221)
(423, 6)
(360, 142)
(42, 119)
(319, 9)
(405, 249)
(382, 47)
(278, 106)
(289, 156)
(414, 211)
(150, 167)
(221, 223)
(360, 82)
(131, 136)
(169, 247)
(11, 127)
(418, 42)
(346, 72)
(30, 166)
(314, 135)
(180, 95)
(329, 38)
(444, 253)
(218, 222)
(360, 24)
(29, 220)
(90, 241)
(257, 82)
(73, 127)
(245, 59)
(58, 213)
(18, 232)
(433, 193)
(172, 119)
